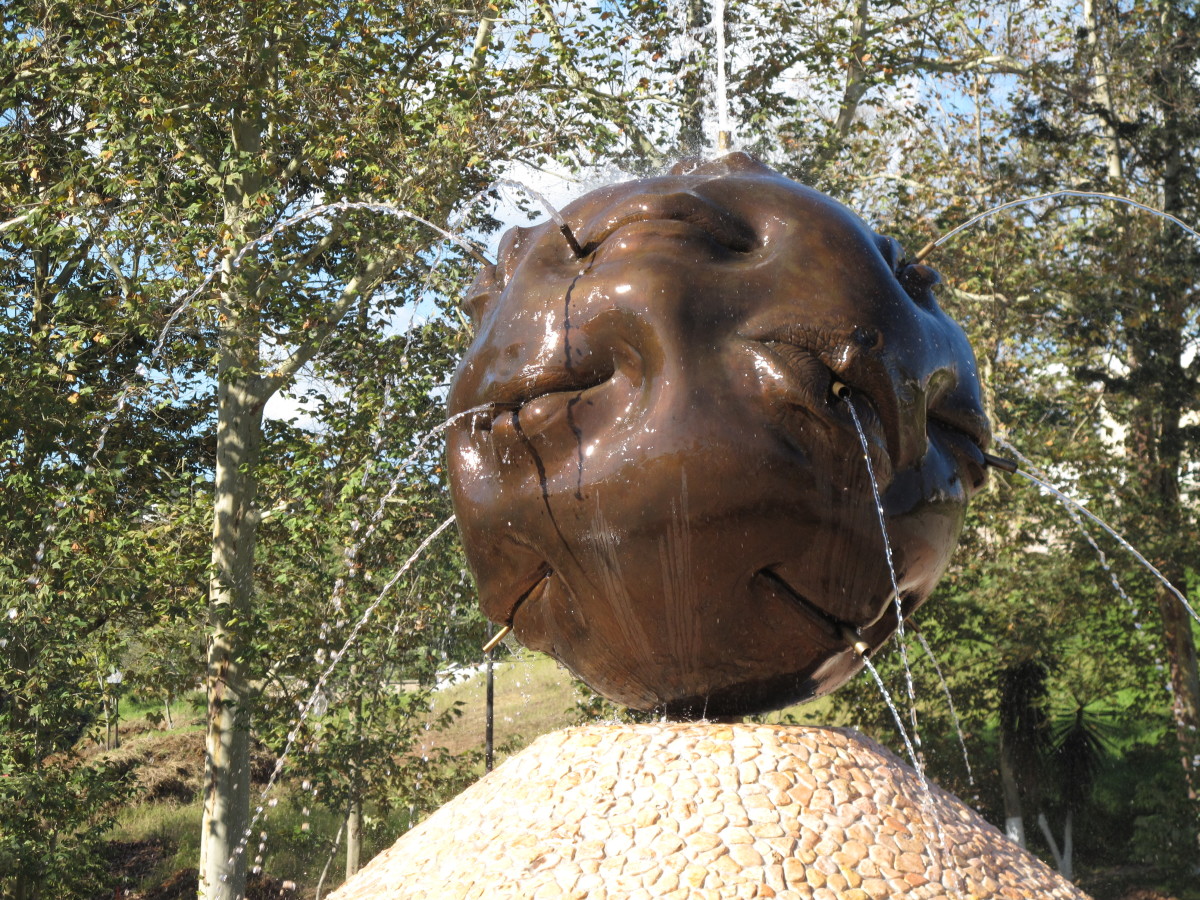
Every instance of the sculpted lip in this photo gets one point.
(517, 392)
(533, 592)
(681, 206)
(837, 629)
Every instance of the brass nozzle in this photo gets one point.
(496, 639)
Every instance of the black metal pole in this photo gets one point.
(489, 721)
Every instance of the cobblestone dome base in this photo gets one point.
(704, 811)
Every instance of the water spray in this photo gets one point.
(563, 228)
(724, 138)
(1090, 195)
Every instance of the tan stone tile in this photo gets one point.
(693, 875)
(876, 888)
(775, 781)
(736, 835)
(702, 840)
(745, 855)
(793, 871)
(666, 844)
(767, 830)
(666, 882)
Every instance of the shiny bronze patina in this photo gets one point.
(668, 495)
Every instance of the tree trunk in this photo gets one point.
(1062, 858)
(353, 838)
(1156, 445)
(242, 393)
(856, 77)
(354, 816)
(1102, 93)
(489, 723)
(227, 743)
(1014, 823)
(1185, 687)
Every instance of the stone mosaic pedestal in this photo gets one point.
(704, 811)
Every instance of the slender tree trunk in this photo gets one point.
(241, 395)
(856, 74)
(353, 838)
(354, 818)
(1062, 858)
(1068, 869)
(1156, 445)
(489, 724)
(1102, 93)
(337, 839)
(1014, 822)
(227, 744)
(1156, 348)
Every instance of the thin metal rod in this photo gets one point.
(999, 462)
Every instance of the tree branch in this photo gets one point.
(13, 223)
(301, 261)
(114, 267)
(577, 81)
(360, 287)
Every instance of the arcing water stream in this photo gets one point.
(1090, 195)
(1071, 503)
(891, 564)
(319, 685)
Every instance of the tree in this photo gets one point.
(192, 134)
(1082, 314)
(87, 539)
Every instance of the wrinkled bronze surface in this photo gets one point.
(667, 495)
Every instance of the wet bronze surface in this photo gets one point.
(668, 496)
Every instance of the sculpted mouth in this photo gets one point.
(835, 628)
(540, 383)
(679, 207)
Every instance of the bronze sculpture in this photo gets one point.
(667, 492)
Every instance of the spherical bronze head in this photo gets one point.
(667, 492)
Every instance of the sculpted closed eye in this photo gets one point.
(684, 208)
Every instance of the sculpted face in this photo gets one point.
(667, 494)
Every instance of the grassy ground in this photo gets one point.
(533, 696)
(154, 845)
